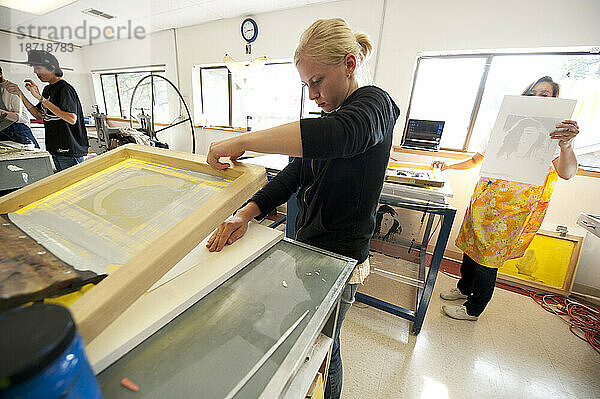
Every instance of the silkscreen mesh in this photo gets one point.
(102, 221)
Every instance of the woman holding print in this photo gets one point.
(503, 216)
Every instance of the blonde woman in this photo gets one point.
(340, 159)
(503, 216)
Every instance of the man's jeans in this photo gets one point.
(63, 162)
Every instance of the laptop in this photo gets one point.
(423, 134)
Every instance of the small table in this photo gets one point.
(20, 166)
(431, 209)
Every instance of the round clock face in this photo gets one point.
(249, 30)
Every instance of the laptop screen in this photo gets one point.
(423, 134)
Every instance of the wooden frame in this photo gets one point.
(104, 303)
(567, 286)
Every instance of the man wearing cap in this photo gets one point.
(60, 109)
(14, 120)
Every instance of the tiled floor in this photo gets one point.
(514, 350)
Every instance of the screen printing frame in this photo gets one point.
(105, 302)
(573, 262)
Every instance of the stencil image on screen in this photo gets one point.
(103, 221)
(137, 199)
(526, 137)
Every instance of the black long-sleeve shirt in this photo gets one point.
(340, 175)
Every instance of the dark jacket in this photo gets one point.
(340, 176)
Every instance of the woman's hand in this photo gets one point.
(231, 230)
(565, 133)
(33, 89)
(231, 148)
(439, 164)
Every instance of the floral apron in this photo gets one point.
(502, 218)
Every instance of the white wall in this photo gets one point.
(13, 49)
(157, 48)
(278, 34)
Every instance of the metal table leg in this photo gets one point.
(423, 255)
(434, 267)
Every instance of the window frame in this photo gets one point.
(115, 76)
(229, 81)
(230, 89)
(489, 55)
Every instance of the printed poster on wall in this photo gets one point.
(520, 148)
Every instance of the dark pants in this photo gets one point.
(19, 133)
(333, 388)
(63, 162)
(477, 282)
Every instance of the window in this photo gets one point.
(310, 109)
(214, 85)
(269, 97)
(114, 90)
(444, 91)
(466, 91)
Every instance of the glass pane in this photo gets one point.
(445, 90)
(110, 95)
(578, 76)
(271, 97)
(161, 101)
(98, 94)
(143, 99)
(311, 110)
(215, 101)
(217, 341)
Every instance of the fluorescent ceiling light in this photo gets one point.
(37, 7)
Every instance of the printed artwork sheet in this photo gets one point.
(520, 148)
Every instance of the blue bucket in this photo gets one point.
(43, 356)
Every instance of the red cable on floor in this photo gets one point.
(583, 320)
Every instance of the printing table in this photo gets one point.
(19, 166)
(402, 199)
(211, 347)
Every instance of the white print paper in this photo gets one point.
(520, 148)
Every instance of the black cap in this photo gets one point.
(43, 58)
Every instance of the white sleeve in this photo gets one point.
(17, 106)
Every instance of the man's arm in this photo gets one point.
(68, 117)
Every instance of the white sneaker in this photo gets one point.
(452, 294)
(458, 312)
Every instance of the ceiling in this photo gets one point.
(153, 15)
